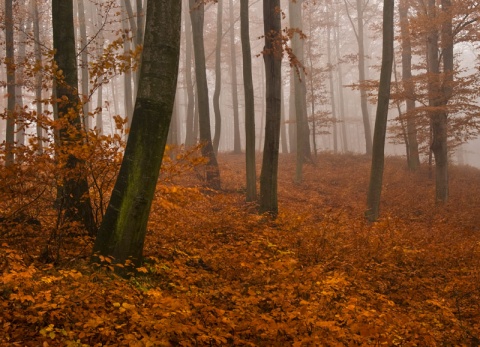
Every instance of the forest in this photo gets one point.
(239, 173)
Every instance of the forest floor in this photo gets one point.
(218, 274)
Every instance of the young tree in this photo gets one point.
(237, 148)
(73, 188)
(123, 229)
(197, 9)
(376, 174)
(272, 57)
(249, 103)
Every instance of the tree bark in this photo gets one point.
(218, 78)
(340, 85)
(190, 137)
(11, 99)
(237, 147)
(376, 173)
(84, 64)
(273, 62)
(122, 233)
(251, 193)
(197, 8)
(38, 75)
(412, 148)
(74, 195)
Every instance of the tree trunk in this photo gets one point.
(84, 64)
(251, 193)
(19, 81)
(38, 75)
(292, 126)
(283, 128)
(127, 76)
(412, 148)
(303, 136)
(376, 174)
(273, 63)
(218, 78)
(332, 90)
(197, 8)
(10, 64)
(340, 86)
(190, 138)
(237, 148)
(122, 233)
(75, 199)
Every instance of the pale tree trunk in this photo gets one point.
(99, 111)
(251, 193)
(292, 126)
(376, 173)
(25, 28)
(190, 137)
(197, 8)
(84, 64)
(10, 64)
(127, 77)
(359, 33)
(283, 128)
(332, 90)
(123, 230)
(412, 147)
(341, 102)
(303, 136)
(273, 65)
(38, 75)
(74, 195)
(237, 148)
(218, 78)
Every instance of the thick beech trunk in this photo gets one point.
(273, 61)
(123, 229)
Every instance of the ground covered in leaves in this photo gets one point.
(218, 274)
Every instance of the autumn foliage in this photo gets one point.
(216, 273)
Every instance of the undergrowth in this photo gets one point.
(217, 274)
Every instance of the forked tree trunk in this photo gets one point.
(251, 193)
(197, 8)
(122, 233)
(273, 63)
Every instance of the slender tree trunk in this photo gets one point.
(332, 90)
(10, 64)
(84, 64)
(99, 113)
(283, 128)
(341, 101)
(237, 148)
(218, 77)
(75, 199)
(292, 126)
(251, 193)
(273, 63)
(38, 75)
(127, 77)
(412, 148)
(376, 174)
(122, 233)
(21, 125)
(190, 137)
(197, 8)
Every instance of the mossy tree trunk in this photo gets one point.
(122, 232)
